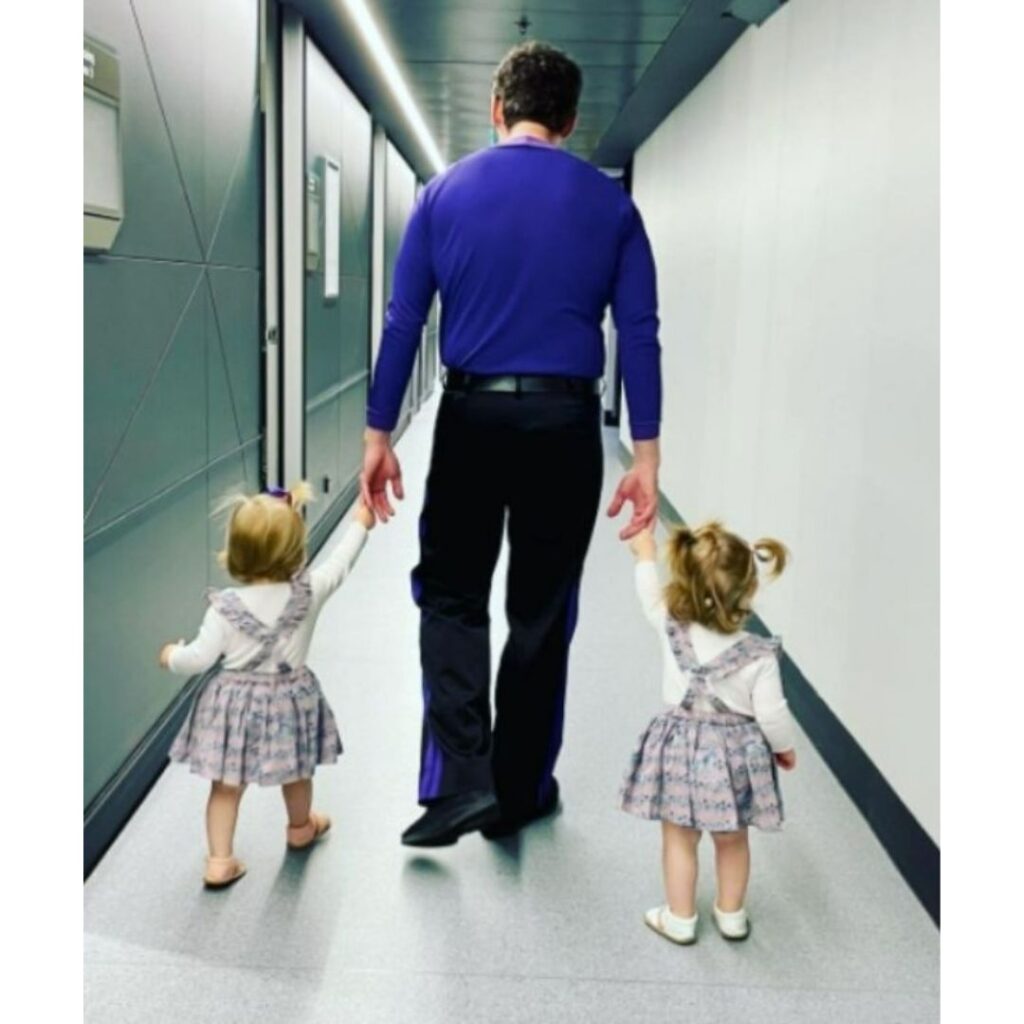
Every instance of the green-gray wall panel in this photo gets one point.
(233, 151)
(354, 301)
(235, 362)
(323, 328)
(356, 215)
(235, 473)
(157, 220)
(201, 56)
(237, 238)
(173, 35)
(173, 366)
(352, 418)
(143, 586)
(131, 311)
(167, 437)
(337, 331)
(322, 435)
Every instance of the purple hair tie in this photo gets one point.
(279, 492)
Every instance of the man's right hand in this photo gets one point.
(380, 467)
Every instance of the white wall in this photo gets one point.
(792, 202)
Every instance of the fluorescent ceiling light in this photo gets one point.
(375, 44)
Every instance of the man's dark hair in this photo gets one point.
(536, 82)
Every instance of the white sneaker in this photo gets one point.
(680, 930)
(734, 925)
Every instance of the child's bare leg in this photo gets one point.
(221, 818)
(732, 865)
(298, 798)
(679, 862)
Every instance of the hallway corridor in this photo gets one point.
(541, 928)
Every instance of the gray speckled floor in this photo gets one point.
(543, 928)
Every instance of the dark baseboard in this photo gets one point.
(911, 849)
(110, 809)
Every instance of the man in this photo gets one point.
(527, 245)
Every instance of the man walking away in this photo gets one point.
(528, 245)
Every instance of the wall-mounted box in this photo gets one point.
(103, 190)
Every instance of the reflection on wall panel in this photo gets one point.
(399, 197)
(426, 364)
(172, 351)
(337, 326)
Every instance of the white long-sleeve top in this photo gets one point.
(754, 690)
(266, 601)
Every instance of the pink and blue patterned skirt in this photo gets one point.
(258, 727)
(707, 770)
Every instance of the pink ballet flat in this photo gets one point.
(222, 872)
(301, 836)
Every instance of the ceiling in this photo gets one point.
(450, 49)
(639, 59)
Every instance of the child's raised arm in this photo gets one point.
(328, 577)
(645, 577)
(191, 659)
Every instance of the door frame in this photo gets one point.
(292, 251)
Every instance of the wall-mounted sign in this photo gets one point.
(103, 186)
(332, 228)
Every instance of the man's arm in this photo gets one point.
(411, 295)
(635, 311)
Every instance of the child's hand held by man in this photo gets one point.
(644, 546)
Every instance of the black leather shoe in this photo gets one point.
(504, 827)
(450, 817)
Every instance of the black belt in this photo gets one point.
(515, 383)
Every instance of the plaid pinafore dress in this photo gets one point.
(266, 722)
(706, 769)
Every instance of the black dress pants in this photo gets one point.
(537, 460)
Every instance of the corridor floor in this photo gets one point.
(546, 927)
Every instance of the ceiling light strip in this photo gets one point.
(389, 68)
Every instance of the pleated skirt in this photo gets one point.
(706, 770)
(258, 727)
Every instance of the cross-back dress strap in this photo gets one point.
(697, 673)
(230, 605)
(745, 651)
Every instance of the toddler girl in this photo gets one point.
(708, 762)
(261, 717)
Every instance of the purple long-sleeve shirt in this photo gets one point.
(528, 245)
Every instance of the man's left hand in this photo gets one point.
(380, 468)
(640, 488)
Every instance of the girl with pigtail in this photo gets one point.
(708, 763)
(262, 717)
